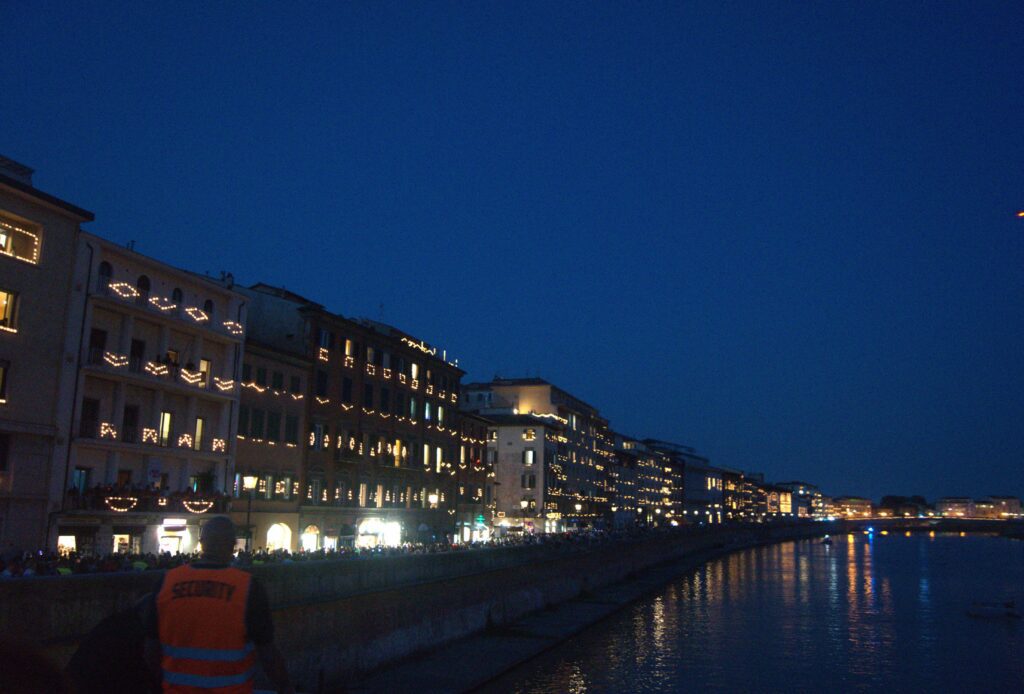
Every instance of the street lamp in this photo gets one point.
(249, 485)
(522, 514)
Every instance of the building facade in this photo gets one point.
(270, 468)
(38, 238)
(806, 496)
(384, 437)
(156, 397)
(852, 507)
(523, 450)
(576, 492)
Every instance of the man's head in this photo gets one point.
(218, 538)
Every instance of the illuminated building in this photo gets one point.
(808, 500)
(643, 493)
(271, 448)
(388, 457)
(576, 493)
(737, 496)
(38, 233)
(852, 507)
(1004, 507)
(697, 487)
(955, 507)
(156, 396)
(523, 452)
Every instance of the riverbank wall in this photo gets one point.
(336, 619)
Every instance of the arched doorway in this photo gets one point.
(279, 536)
(310, 538)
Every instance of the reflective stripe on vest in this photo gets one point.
(183, 679)
(213, 654)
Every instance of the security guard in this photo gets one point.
(208, 623)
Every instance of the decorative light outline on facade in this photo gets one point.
(162, 303)
(124, 290)
(197, 314)
(121, 504)
(34, 260)
(197, 505)
(116, 360)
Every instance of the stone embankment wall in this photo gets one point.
(337, 618)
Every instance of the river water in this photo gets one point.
(879, 613)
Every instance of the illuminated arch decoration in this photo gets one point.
(197, 505)
(121, 504)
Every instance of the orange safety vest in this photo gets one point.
(203, 642)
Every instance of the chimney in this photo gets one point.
(12, 169)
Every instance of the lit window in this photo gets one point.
(164, 431)
(528, 456)
(204, 372)
(8, 303)
(19, 242)
(529, 434)
(197, 442)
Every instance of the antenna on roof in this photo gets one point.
(380, 312)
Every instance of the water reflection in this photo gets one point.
(861, 615)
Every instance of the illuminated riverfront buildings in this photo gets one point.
(575, 489)
(386, 454)
(137, 398)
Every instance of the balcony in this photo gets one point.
(121, 500)
(162, 371)
(124, 294)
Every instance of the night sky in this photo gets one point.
(782, 233)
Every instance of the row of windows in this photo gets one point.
(266, 425)
(258, 375)
(345, 493)
(137, 356)
(382, 359)
(143, 287)
(382, 400)
(90, 427)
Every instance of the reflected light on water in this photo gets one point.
(887, 615)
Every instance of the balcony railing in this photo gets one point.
(133, 500)
(165, 306)
(162, 370)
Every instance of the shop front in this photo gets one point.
(377, 532)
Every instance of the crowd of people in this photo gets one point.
(15, 564)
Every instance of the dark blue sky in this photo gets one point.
(782, 233)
